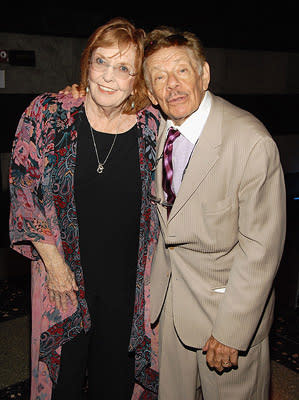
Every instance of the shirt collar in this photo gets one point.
(193, 126)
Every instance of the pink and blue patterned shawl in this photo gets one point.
(43, 209)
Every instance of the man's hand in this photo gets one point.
(74, 90)
(220, 356)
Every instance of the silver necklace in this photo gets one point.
(100, 167)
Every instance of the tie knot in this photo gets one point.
(171, 137)
(173, 133)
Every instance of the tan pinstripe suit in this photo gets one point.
(224, 238)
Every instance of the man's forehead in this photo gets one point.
(174, 54)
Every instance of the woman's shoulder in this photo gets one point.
(150, 117)
(152, 110)
(52, 102)
(68, 102)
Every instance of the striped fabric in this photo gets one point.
(167, 166)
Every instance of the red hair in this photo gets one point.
(122, 33)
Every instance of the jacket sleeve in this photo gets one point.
(27, 221)
(262, 226)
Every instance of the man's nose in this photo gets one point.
(172, 81)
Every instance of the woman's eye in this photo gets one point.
(99, 60)
(123, 68)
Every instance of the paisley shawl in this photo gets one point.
(43, 209)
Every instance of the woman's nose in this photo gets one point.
(108, 73)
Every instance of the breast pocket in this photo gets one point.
(220, 221)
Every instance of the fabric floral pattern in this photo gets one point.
(43, 209)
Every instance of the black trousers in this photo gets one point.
(102, 352)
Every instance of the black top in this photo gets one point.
(108, 208)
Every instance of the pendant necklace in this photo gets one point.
(100, 167)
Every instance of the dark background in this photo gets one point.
(252, 26)
(239, 25)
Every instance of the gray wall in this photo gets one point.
(247, 71)
(233, 72)
(57, 63)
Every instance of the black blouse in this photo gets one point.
(108, 209)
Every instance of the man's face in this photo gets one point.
(176, 84)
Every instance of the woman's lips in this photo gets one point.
(106, 89)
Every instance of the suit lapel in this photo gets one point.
(159, 171)
(203, 158)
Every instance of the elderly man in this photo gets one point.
(221, 203)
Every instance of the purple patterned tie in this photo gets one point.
(167, 166)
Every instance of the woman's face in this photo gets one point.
(111, 77)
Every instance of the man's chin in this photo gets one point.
(178, 118)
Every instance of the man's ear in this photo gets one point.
(152, 98)
(205, 76)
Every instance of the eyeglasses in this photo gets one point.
(121, 71)
(171, 40)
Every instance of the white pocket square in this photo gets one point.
(219, 290)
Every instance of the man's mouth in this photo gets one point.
(178, 98)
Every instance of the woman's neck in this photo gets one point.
(108, 119)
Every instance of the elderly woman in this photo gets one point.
(80, 175)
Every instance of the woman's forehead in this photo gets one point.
(127, 53)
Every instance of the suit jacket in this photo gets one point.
(224, 237)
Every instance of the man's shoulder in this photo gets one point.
(240, 123)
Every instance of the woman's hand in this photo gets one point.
(74, 90)
(61, 285)
(60, 279)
